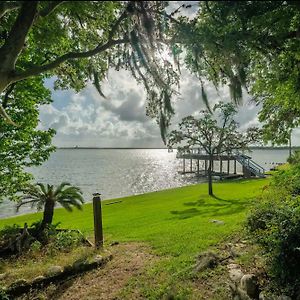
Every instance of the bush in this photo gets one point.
(9, 231)
(36, 246)
(287, 180)
(294, 158)
(66, 240)
(275, 224)
(3, 294)
(43, 235)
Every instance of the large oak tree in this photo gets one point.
(76, 42)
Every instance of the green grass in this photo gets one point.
(175, 223)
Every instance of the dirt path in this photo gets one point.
(128, 260)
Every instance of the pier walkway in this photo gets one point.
(249, 167)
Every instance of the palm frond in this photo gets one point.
(33, 202)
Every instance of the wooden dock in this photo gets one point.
(223, 166)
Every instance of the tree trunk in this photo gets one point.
(48, 214)
(210, 188)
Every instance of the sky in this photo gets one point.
(86, 119)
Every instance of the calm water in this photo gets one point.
(116, 173)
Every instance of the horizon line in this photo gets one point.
(88, 147)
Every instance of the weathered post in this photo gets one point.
(228, 166)
(98, 229)
(290, 144)
(191, 165)
(235, 166)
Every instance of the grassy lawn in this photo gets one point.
(176, 223)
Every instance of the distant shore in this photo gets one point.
(132, 148)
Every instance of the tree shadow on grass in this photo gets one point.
(186, 213)
(221, 208)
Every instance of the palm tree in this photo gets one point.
(47, 196)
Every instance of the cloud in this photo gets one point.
(189, 12)
(87, 119)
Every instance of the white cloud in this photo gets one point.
(87, 119)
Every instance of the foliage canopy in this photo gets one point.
(251, 45)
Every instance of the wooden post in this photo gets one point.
(191, 166)
(205, 167)
(198, 167)
(228, 166)
(183, 165)
(212, 166)
(98, 228)
(221, 166)
(235, 166)
(290, 145)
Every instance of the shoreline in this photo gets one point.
(146, 195)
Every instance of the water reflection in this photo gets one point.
(118, 173)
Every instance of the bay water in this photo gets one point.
(123, 172)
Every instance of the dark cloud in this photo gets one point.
(131, 109)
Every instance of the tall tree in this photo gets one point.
(76, 42)
(23, 145)
(216, 134)
(251, 45)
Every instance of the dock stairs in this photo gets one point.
(251, 166)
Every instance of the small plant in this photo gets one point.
(3, 294)
(43, 236)
(66, 240)
(36, 246)
(9, 231)
(45, 197)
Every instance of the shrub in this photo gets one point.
(66, 240)
(3, 294)
(287, 180)
(9, 231)
(44, 235)
(35, 246)
(275, 224)
(294, 158)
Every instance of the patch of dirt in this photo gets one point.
(129, 260)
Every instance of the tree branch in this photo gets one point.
(6, 116)
(14, 44)
(117, 24)
(71, 55)
(36, 70)
(50, 8)
(196, 140)
(6, 96)
(24, 203)
(8, 5)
